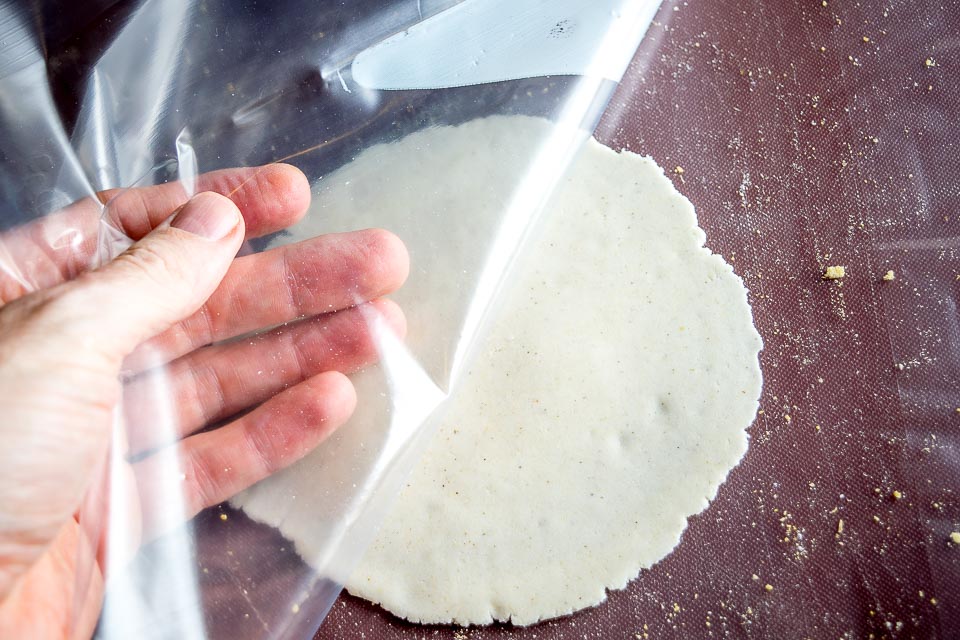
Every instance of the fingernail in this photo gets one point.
(207, 215)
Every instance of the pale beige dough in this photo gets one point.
(607, 405)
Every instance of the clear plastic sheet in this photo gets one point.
(99, 102)
(809, 134)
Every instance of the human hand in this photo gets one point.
(82, 351)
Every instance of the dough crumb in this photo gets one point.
(930, 62)
(834, 273)
(223, 516)
(678, 170)
(955, 537)
(896, 494)
(768, 587)
(889, 275)
(295, 608)
(840, 526)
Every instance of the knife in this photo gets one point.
(482, 41)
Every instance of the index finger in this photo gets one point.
(270, 197)
(61, 245)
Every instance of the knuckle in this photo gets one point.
(198, 471)
(159, 266)
(265, 442)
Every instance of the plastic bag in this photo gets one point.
(127, 95)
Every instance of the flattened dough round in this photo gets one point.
(608, 404)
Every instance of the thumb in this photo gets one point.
(60, 353)
(158, 281)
